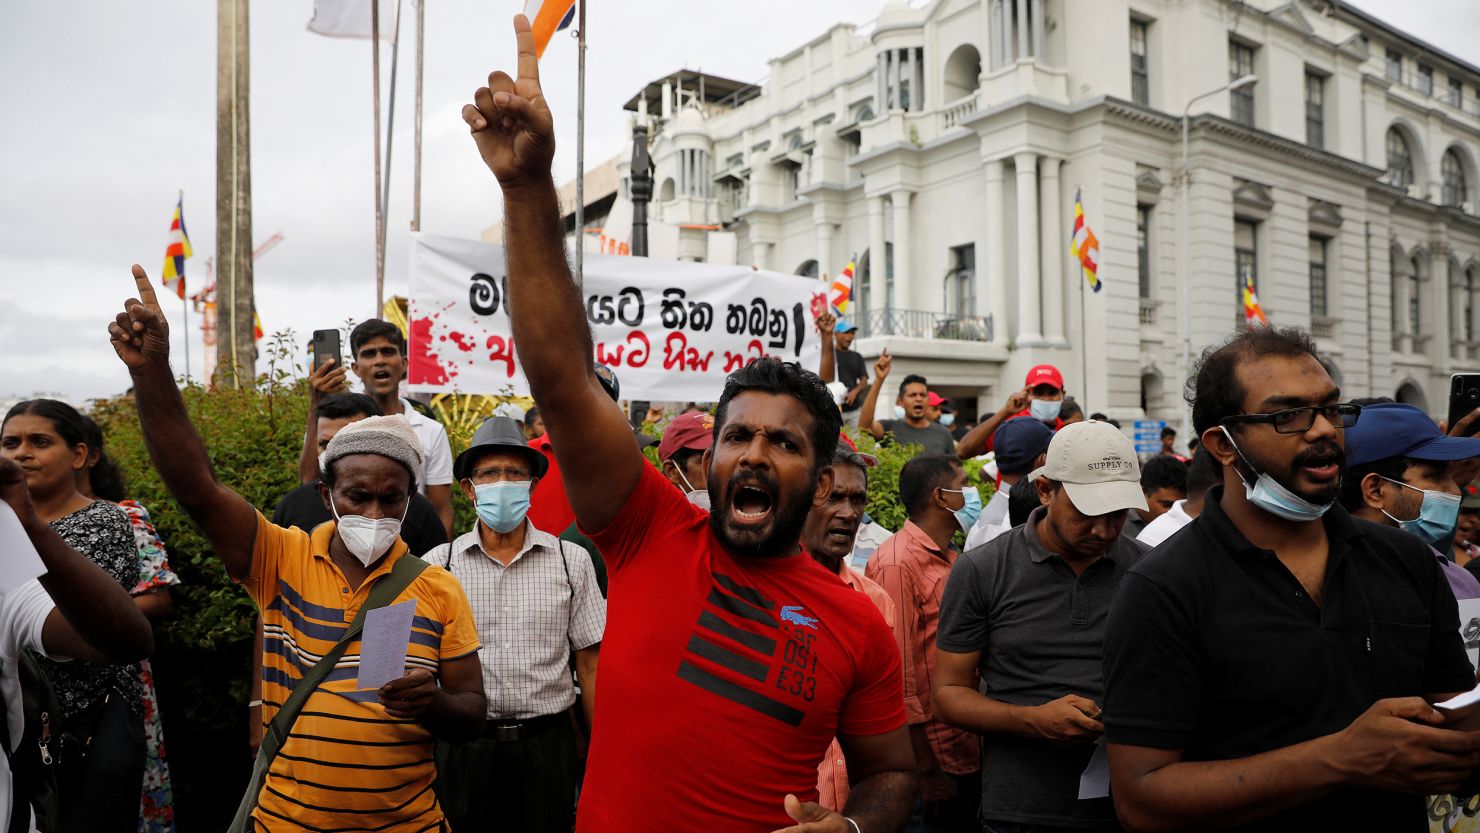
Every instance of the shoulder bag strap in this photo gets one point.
(403, 572)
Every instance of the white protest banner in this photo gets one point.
(671, 330)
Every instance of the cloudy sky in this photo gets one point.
(109, 112)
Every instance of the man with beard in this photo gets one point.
(731, 659)
(1271, 667)
(828, 537)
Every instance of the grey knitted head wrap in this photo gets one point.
(388, 436)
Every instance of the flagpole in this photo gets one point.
(421, 19)
(379, 216)
(581, 143)
(390, 133)
(184, 304)
(1083, 309)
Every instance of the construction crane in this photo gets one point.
(205, 303)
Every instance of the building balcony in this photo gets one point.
(1148, 312)
(938, 326)
(953, 113)
(1323, 328)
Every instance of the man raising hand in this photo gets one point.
(730, 658)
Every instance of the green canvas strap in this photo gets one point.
(385, 591)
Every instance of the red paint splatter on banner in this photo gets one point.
(425, 368)
(463, 342)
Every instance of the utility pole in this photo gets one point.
(237, 362)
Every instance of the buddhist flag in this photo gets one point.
(547, 17)
(175, 252)
(1253, 313)
(1085, 246)
(842, 291)
(256, 326)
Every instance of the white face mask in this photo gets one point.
(367, 539)
(698, 497)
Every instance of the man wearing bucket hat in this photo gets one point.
(1397, 474)
(1036, 599)
(537, 606)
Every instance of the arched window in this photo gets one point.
(667, 192)
(1409, 394)
(962, 73)
(808, 269)
(1399, 159)
(1452, 170)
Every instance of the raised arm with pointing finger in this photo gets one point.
(515, 134)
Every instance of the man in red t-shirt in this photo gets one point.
(1041, 397)
(730, 658)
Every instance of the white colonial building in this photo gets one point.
(942, 145)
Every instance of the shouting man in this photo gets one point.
(731, 658)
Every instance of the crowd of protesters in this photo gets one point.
(1253, 636)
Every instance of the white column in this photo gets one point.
(881, 104)
(1035, 12)
(876, 262)
(907, 77)
(1021, 28)
(1405, 333)
(762, 255)
(1051, 225)
(906, 289)
(1456, 316)
(1028, 279)
(994, 259)
(824, 249)
(894, 98)
(1001, 20)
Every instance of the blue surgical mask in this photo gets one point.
(502, 506)
(899, 412)
(1437, 515)
(971, 510)
(948, 420)
(1045, 410)
(1271, 496)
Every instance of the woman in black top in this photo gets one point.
(101, 770)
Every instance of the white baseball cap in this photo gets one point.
(1097, 465)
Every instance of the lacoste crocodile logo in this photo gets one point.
(792, 614)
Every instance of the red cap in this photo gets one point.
(1044, 374)
(694, 431)
(936, 400)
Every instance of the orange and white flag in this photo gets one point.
(547, 17)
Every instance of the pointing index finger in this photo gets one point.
(146, 289)
(529, 64)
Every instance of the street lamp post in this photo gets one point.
(1184, 323)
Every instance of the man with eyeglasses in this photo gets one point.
(1272, 665)
(538, 611)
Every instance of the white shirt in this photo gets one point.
(531, 615)
(993, 520)
(436, 460)
(1166, 524)
(23, 614)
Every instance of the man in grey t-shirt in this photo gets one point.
(1035, 601)
(915, 427)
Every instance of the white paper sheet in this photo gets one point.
(19, 561)
(1459, 701)
(383, 644)
(1095, 780)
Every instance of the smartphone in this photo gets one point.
(1464, 397)
(325, 347)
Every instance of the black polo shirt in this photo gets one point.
(1214, 648)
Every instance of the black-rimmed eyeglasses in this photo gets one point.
(1299, 420)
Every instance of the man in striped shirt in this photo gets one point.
(361, 759)
(538, 610)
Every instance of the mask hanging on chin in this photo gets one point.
(698, 497)
(970, 510)
(367, 539)
(899, 412)
(1271, 496)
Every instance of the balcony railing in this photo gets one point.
(1322, 328)
(958, 110)
(1148, 312)
(911, 323)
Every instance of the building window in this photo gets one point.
(1453, 173)
(1241, 100)
(1143, 248)
(1245, 262)
(960, 288)
(1456, 94)
(1415, 268)
(1318, 307)
(1394, 66)
(1315, 110)
(888, 275)
(1140, 77)
(1425, 79)
(1399, 159)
